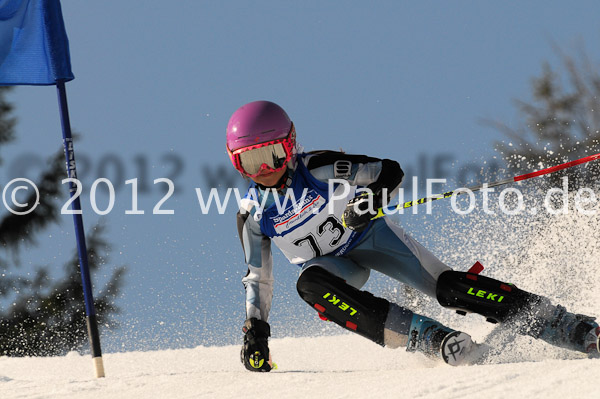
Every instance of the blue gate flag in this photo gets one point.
(34, 49)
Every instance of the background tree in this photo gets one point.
(562, 123)
(42, 315)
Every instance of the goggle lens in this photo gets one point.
(274, 156)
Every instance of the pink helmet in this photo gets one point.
(256, 125)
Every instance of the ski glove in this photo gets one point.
(255, 351)
(360, 210)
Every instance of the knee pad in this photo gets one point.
(353, 309)
(469, 292)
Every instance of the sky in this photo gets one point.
(155, 85)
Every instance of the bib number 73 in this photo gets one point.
(331, 224)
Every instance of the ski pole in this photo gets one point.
(389, 209)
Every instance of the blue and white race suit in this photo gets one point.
(305, 223)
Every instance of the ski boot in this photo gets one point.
(438, 341)
(571, 331)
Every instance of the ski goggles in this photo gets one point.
(271, 156)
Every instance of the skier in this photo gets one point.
(325, 226)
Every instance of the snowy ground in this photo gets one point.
(344, 366)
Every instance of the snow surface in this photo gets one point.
(345, 366)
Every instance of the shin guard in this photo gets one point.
(353, 309)
(493, 299)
